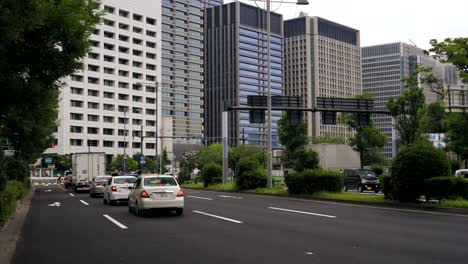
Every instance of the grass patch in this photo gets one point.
(350, 197)
(274, 190)
(458, 203)
(192, 185)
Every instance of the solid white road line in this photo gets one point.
(198, 197)
(230, 196)
(71, 194)
(83, 202)
(219, 217)
(115, 222)
(301, 212)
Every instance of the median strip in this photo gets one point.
(301, 212)
(219, 217)
(198, 197)
(115, 222)
(83, 202)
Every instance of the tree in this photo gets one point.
(245, 151)
(367, 138)
(455, 51)
(185, 174)
(211, 173)
(42, 42)
(294, 139)
(165, 161)
(116, 164)
(432, 119)
(406, 109)
(211, 153)
(457, 124)
(251, 174)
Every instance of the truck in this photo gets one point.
(85, 167)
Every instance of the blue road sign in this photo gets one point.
(142, 159)
(48, 160)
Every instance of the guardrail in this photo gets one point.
(40, 180)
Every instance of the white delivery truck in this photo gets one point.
(85, 167)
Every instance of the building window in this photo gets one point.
(93, 118)
(108, 144)
(76, 116)
(75, 103)
(108, 119)
(76, 129)
(108, 131)
(93, 105)
(76, 142)
(137, 17)
(92, 143)
(123, 13)
(76, 90)
(93, 130)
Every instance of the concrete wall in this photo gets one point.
(337, 156)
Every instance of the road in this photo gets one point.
(235, 228)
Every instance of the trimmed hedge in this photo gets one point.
(14, 190)
(316, 180)
(446, 187)
(386, 185)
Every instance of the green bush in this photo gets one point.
(438, 187)
(13, 191)
(446, 187)
(211, 173)
(386, 185)
(184, 175)
(377, 169)
(305, 159)
(414, 164)
(311, 181)
(454, 165)
(250, 174)
(16, 169)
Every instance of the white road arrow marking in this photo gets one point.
(47, 190)
(56, 204)
(83, 202)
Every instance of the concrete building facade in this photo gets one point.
(236, 66)
(322, 59)
(383, 69)
(105, 107)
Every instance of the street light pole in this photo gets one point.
(269, 158)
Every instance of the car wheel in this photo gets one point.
(179, 211)
(111, 202)
(137, 210)
(376, 190)
(360, 189)
(130, 210)
(104, 200)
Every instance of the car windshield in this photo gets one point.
(369, 177)
(160, 181)
(125, 180)
(367, 173)
(102, 178)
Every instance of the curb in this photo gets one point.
(407, 206)
(11, 230)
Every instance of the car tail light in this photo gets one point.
(144, 194)
(94, 184)
(68, 181)
(180, 193)
(114, 188)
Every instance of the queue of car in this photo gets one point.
(141, 192)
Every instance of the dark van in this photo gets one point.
(361, 180)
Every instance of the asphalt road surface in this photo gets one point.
(235, 228)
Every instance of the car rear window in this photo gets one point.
(124, 180)
(164, 181)
(102, 178)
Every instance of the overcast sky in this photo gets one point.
(385, 21)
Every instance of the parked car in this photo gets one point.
(116, 189)
(462, 173)
(97, 185)
(155, 191)
(362, 180)
(68, 181)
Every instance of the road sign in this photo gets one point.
(142, 159)
(48, 160)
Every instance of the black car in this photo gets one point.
(362, 180)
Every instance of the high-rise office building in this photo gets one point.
(102, 107)
(383, 69)
(236, 66)
(182, 67)
(322, 59)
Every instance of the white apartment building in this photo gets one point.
(107, 105)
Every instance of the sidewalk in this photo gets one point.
(11, 231)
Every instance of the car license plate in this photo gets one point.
(160, 195)
(369, 188)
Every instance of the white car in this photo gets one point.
(117, 189)
(462, 173)
(156, 191)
